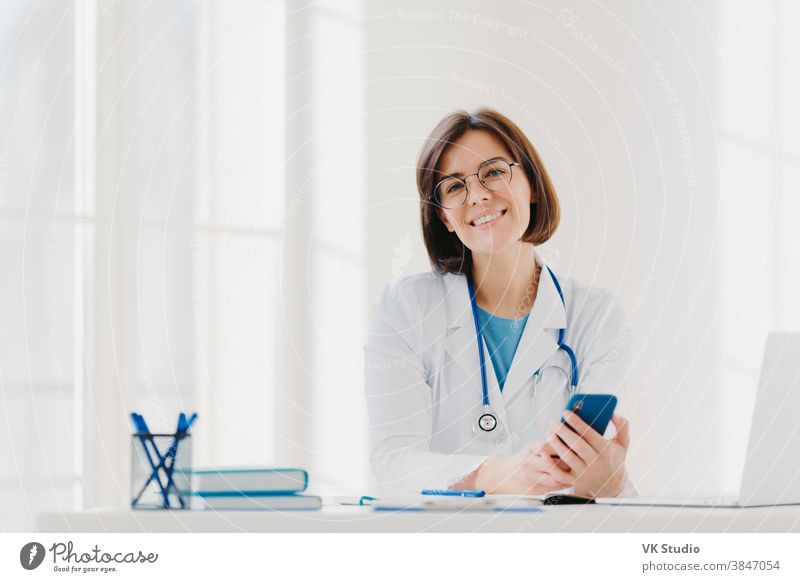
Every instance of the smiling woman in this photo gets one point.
(488, 136)
(491, 302)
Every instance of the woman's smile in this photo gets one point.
(487, 219)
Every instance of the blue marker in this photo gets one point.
(454, 492)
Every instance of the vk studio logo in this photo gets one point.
(31, 555)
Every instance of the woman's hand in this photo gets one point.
(526, 472)
(595, 466)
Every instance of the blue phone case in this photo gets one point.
(594, 409)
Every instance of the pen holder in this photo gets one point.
(160, 470)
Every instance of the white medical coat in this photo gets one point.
(423, 380)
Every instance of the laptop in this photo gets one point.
(771, 473)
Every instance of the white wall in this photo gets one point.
(647, 117)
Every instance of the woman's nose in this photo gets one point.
(476, 191)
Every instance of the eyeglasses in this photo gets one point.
(494, 175)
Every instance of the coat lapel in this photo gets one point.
(462, 347)
(461, 342)
(539, 338)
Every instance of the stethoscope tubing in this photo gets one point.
(572, 377)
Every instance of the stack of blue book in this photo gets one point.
(253, 488)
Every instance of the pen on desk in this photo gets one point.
(454, 492)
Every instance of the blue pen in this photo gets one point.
(190, 421)
(141, 427)
(184, 424)
(454, 492)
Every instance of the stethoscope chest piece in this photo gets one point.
(486, 427)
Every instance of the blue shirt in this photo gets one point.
(501, 337)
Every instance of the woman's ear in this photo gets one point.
(443, 218)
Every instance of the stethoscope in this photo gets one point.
(487, 426)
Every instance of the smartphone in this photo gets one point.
(593, 409)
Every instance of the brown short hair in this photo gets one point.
(446, 251)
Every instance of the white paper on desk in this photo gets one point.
(447, 503)
(505, 498)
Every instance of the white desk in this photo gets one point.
(574, 518)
